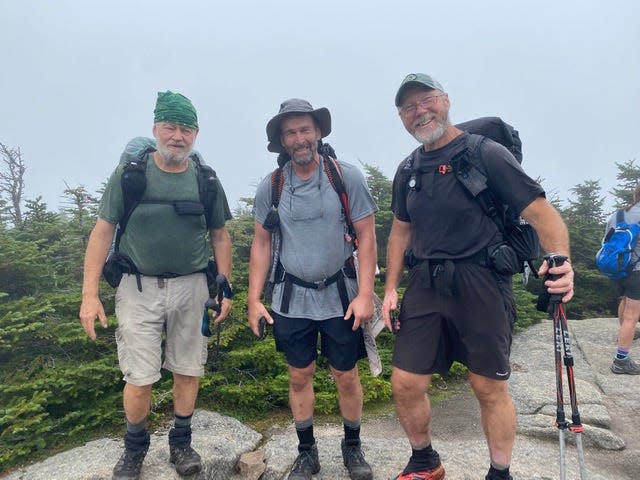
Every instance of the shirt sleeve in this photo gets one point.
(507, 179)
(361, 203)
(262, 200)
(399, 194)
(220, 212)
(111, 208)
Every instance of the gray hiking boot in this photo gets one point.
(306, 465)
(186, 459)
(627, 366)
(129, 465)
(355, 463)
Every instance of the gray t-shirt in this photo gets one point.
(630, 216)
(313, 232)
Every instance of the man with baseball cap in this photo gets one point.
(165, 240)
(316, 292)
(457, 307)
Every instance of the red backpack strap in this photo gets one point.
(277, 184)
(334, 174)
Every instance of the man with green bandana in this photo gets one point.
(166, 296)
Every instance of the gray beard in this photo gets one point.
(433, 137)
(302, 161)
(171, 158)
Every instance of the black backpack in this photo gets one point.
(133, 182)
(470, 170)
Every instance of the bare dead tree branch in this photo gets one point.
(12, 181)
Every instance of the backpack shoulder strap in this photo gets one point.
(277, 184)
(133, 182)
(470, 170)
(334, 174)
(207, 190)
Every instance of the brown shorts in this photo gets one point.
(471, 322)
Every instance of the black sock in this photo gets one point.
(351, 433)
(304, 430)
(180, 434)
(180, 421)
(496, 474)
(422, 459)
(138, 441)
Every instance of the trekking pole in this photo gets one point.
(561, 343)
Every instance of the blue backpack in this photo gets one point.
(614, 259)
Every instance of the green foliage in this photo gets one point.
(628, 177)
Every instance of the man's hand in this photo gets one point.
(90, 309)
(256, 310)
(361, 308)
(389, 304)
(225, 309)
(562, 285)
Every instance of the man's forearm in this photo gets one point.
(97, 250)
(221, 246)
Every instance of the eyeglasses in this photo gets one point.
(408, 110)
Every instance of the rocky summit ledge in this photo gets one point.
(609, 406)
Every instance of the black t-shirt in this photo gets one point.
(447, 221)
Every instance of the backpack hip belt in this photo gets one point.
(289, 280)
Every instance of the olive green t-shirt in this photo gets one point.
(156, 238)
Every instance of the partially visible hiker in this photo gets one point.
(165, 289)
(456, 307)
(315, 291)
(629, 291)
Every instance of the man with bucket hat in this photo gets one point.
(164, 290)
(315, 291)
(457, 306)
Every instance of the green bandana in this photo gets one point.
(175, 108)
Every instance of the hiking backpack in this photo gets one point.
(272, 221)
(470, 170)
(133, 182)
(615, 259)
(334, 174)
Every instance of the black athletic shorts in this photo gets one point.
(297, 338)
(471, 322)
(630, 285)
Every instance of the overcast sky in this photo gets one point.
(78, 79)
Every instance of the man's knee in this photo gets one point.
(348, 380)
(489, 390)
(406, 385)
(300, 378)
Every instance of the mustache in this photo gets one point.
(424, 119)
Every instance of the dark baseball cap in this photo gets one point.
(417, 79)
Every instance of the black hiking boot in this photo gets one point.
(306, 465)
(186, 459)
(129, 465)
(355, 463)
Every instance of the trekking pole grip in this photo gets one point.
(545, 298)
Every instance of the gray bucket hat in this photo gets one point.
(296, 106)
(413, 79)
